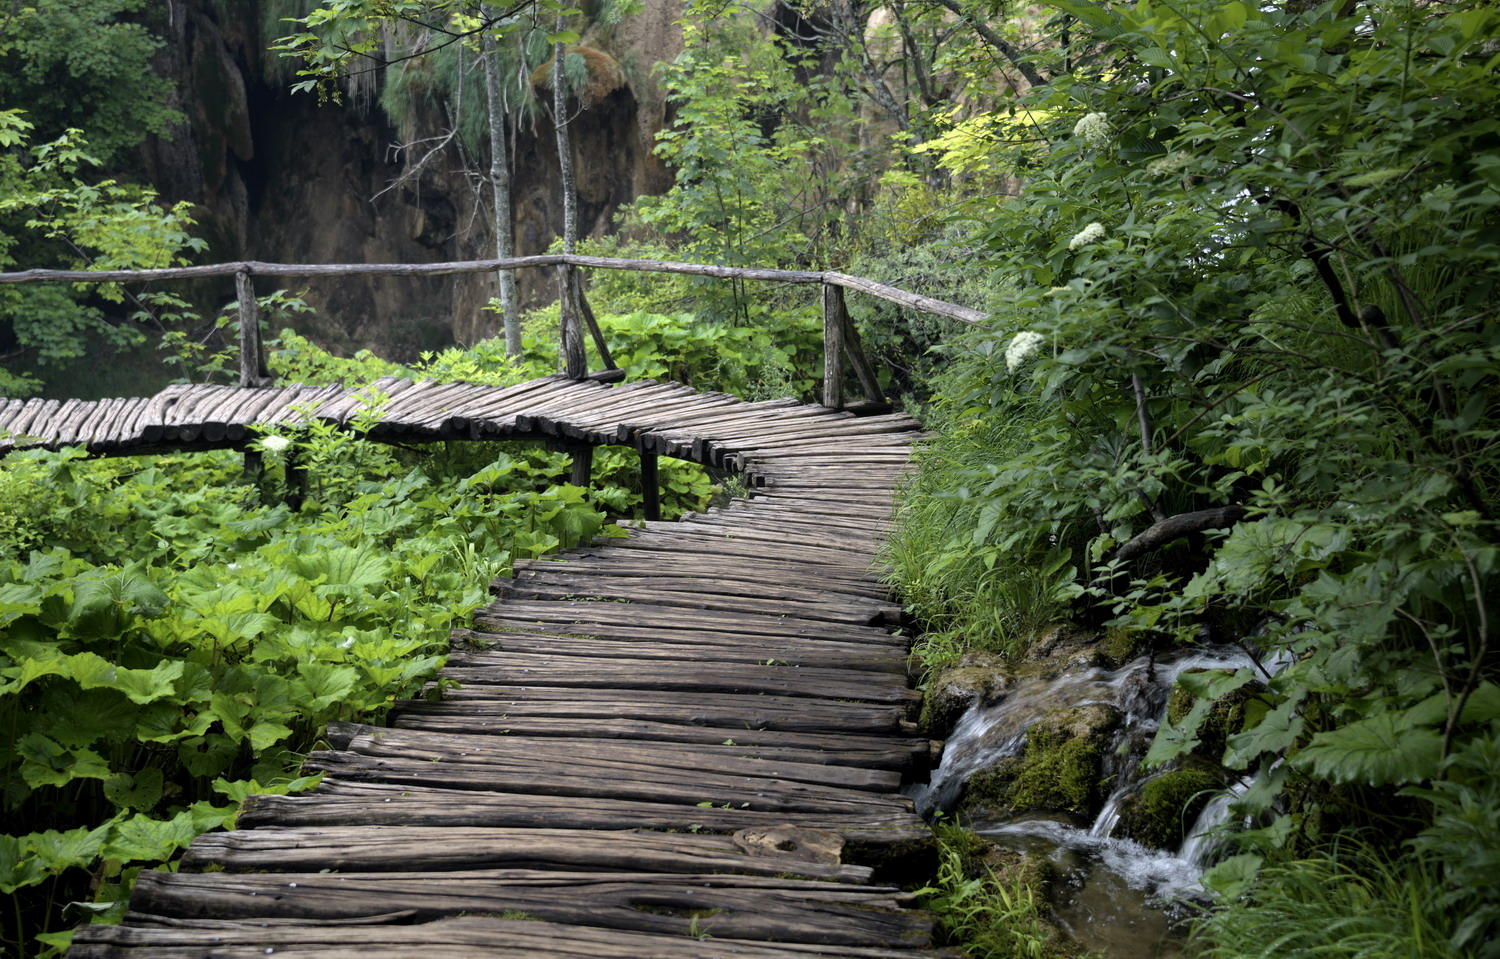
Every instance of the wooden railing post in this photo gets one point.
(833, 346)
(574, 362)
(253, 370)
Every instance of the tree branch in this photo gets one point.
(1161, 533)
(1006, 48)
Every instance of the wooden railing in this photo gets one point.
(840, 339)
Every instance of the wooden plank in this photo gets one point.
(770, 909)
(873, 834)
(583, 582)
(694, 764)
(684, 707)
(521, 614)
(658, 594)
(453, 938)
(867, 750)
(586, 672)
(413, 849)
(670, 647)
(735, 574)
(839, 765)
(847, 564)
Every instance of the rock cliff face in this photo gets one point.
(278, 176)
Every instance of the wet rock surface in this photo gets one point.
(1164, 808)
(1046, 760)
(979, 677)
(1059, 768)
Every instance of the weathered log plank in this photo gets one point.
(408, 849)
(455, 938)
(691, 707)
(752, 908)
(871, 833)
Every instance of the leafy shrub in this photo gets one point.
(182, 640)
(1242, 391)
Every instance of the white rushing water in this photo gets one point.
(990, 733)
(1114, 896)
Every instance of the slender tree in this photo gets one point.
(499, 119)
(564, 139)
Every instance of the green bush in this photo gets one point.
(1243, 389)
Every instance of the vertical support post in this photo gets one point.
(296, 480)
(574, 363)
(833, 346)
(253, 370)
(583, 465)
(650, 487)
(255, 471)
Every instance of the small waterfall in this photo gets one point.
(1205, 838)
(988, 733)
(1116, 896)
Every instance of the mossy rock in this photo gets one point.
(1166, 806)
(1122, 645)
(976, 678)
(1058, 770)
(1225, 718)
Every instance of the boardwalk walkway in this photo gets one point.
(684, 743)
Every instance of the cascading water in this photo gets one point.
(1115, 888)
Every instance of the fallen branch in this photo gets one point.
(1161, 533)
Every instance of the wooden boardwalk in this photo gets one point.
(684, 743)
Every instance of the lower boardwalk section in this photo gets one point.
(686, 742)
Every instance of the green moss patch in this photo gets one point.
(1166, 806)
(1058, 770)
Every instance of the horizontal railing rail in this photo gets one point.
(840, 339)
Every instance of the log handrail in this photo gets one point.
(834, 318)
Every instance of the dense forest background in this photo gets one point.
(1237, 388)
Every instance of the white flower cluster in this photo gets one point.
(274, 443)
(1093, 130)
(1021, 346)
(1092, 233)
(1169, 164)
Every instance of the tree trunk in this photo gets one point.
(564, 143)
(499, 118)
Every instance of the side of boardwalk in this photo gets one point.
(687, 742)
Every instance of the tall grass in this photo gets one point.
(1356, 906)
(949, 556)
(988, 915)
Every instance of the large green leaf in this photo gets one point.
(18, 867)
(148, 685)
(61, 850)
(139, 791)
(104, 601)
(325, 683)
(1377, 751)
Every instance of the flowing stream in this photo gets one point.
(1116, 896)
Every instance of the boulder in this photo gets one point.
(1059, 769)
(978, 677)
